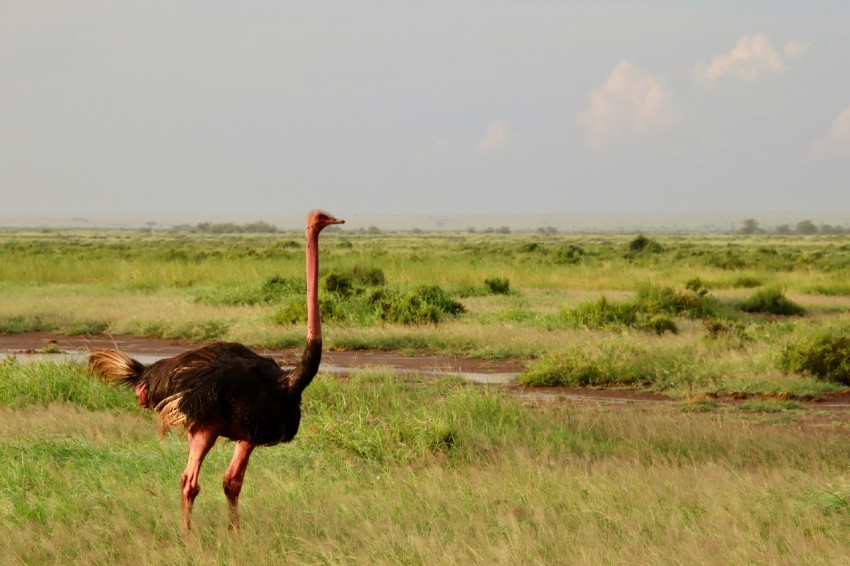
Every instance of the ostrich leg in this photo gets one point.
(200, 443)
(233, 478)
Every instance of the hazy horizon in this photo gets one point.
(269, 109)
(565, 223)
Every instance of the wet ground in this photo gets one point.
(34, 345)
(147, 350)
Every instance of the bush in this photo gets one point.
(574, 367)
(654, 299)
(652, 309)
(771, 300)
(568, 254)
(498, 286)
(660, 324)
(352, 281)
(697, 286)
(721, 327)
(340, 284)
(825, 356)
(601, 313)
(426, 304)
(643, 244)
(369, 276)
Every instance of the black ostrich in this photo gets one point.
(225, 389)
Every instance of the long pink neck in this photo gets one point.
(314, 320)
(308, 366)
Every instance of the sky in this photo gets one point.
(270, 108)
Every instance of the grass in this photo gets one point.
(428, 471)
(434, 470)
(529, 296)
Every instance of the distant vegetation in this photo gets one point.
(681, 313)
(258, 227)
(751, 226)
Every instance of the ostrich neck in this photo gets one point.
(314, 321)
(308, 366)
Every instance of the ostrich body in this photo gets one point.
(226, 390)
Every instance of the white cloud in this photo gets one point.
(837, 142)
(796, 49)
(752, 57)
(630, 104)
(495, 138)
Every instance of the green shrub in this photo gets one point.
(652, 309)
(727, 259)
(697, 286)
(734, 332)
(771, 300)
(568, 254)
(354, 280)
(601, 313)
(660, 324)
(655, 299)
(825, 356)
(574, 367)
(425, 304)
(369, 276)
(498, 286)
(341, 284)
(643, 244)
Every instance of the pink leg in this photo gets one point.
(233, 478)
(200, 443)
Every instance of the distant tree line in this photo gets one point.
(258, 227)
(804, 227)
(490, 230)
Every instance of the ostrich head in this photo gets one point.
(319, 219)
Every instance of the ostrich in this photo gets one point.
(225, 389)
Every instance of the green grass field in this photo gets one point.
(684, 314)
(436, 471)
(429, 472)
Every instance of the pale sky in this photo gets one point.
(271, 108)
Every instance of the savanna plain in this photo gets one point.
(748, 462)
